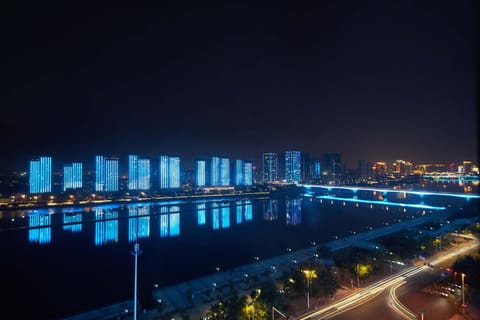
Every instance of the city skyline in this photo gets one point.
(347, 78)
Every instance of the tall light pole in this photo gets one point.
(309, 274)
(136, 252)
(463, 289)
(358, 278)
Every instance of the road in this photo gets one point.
(355, 306)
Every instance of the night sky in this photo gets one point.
(374, 80)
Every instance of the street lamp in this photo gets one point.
(309, 274)
(254, 298)
(463, 289)
(135, 253)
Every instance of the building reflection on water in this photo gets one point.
(40, 230)
(107, 219)
(106, 225)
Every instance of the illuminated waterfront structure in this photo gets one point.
(72, 176)
(238, 172)
(293, 166)
(270, 166)
(138, 173)
(215, 171)
(247, 173)
(200, 173)
(224, 171)
(106, 173)
(243, 173)
(401, 168)
(169, 172)
(40, 177)
(316, 169)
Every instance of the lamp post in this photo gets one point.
(309, 274)
(135, 253)
(463, 289)
(358, 278)
(255, 297)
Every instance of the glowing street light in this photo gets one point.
(463, 289)
(309, 274)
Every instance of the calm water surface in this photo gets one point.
(61, 261)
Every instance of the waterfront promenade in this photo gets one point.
(200, 293)
(196, 296)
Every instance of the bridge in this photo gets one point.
(355, 189)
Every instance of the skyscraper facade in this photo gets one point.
(169, 172)
(225, 172)
(215, 171)
(248, 173)
(40, 175)
(174, 172)
(106, 174)
(239, 172)
(138, 173)
(200, 173)
(315, 169)
(270, 166)
(72, 176)
(293, 166)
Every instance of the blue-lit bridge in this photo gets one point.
(381, 196)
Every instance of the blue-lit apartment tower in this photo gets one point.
(215, 171)
(72, 176)
(224, 171)
(243, 173)
(293, 166)
(200, 173)
(138, 173)
(106, 174)
(169, 173)
(40, 177)
(270, 166)
(247, 173)
(239, 173)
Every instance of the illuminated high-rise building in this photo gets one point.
(224, 171)
(270, 166)
(40, 175)
(200, 173)
(106, 174)
(174, 172)
(169, 172)
(247, 173)
(138, 173)
(215, 171)
(72, 176)
(316, 170)
(239, 172)
(293, 166)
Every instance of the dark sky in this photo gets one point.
(370, 79)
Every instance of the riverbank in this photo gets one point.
(34, 206)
